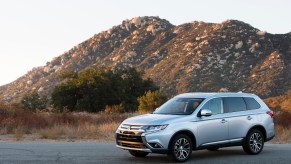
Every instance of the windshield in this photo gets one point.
(179, 106)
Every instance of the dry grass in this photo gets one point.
(59, 126)
(18, 133)
(283, 135)
(55, 132)
(107, 130)
(17, 124)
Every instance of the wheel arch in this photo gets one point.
(260, 128)
(186, 132)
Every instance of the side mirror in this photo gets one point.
(205, 112)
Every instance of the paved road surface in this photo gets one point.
(105, 152)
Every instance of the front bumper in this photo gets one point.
(129, 140)
(137, 149)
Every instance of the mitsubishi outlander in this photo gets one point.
(195, 121)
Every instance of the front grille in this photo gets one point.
(129, 140)
(127, 132)
(135, 127)
(129, 137)
(132, 145)
(130, 127)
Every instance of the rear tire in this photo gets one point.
(254, 143)
(138, 153)
(181, 148)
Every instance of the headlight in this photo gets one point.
(154, 128)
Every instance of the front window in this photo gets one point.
(214, 105)
(179, 106)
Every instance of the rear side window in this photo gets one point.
(251, 103)
(234, 104)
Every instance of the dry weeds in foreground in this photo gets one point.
(59, 126)
(17, 124)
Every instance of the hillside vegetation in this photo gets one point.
(280, 103)
(93, 89)
(19, 124)
(27, 125)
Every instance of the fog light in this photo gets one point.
(155, 145)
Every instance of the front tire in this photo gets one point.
(139, 154)
(254, 142)
(181, 148)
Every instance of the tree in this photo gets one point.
(134, 87)
(151, 100)
(65, 96)
(32, 101)
(93, 89)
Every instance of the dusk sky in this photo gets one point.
(34, 31)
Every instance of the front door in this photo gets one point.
(212, 129)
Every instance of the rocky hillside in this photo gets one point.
(191, 57)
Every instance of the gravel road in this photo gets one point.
(105, 152)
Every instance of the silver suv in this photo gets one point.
(195, 121)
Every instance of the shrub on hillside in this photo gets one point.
(93, 89)
(150, 101)
(32, 101)
(114, 109)
(283, 118)
(280, 102)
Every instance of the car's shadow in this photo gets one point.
(202, 156)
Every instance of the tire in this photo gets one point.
(180, 148)
(213, 148)
(139, 154)
(254, 143)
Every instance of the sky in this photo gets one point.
(32, 32)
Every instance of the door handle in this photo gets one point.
(223, 121)
(249, 118)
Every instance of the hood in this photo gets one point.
(150, 119)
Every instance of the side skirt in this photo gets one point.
(219, 144)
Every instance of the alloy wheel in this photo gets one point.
(182, 148)
(256, 142)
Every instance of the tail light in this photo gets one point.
(271, 113)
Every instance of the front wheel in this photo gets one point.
(181, 148)
(254, 142)
(138, 153)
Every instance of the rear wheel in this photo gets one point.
(254, 142)
(138, 153)
(181, 148)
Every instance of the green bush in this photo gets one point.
(93, 89)
(114, 109)
(32, 101)
(150, 101)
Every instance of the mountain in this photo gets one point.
(191, 57)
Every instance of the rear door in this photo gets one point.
(240, 119)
